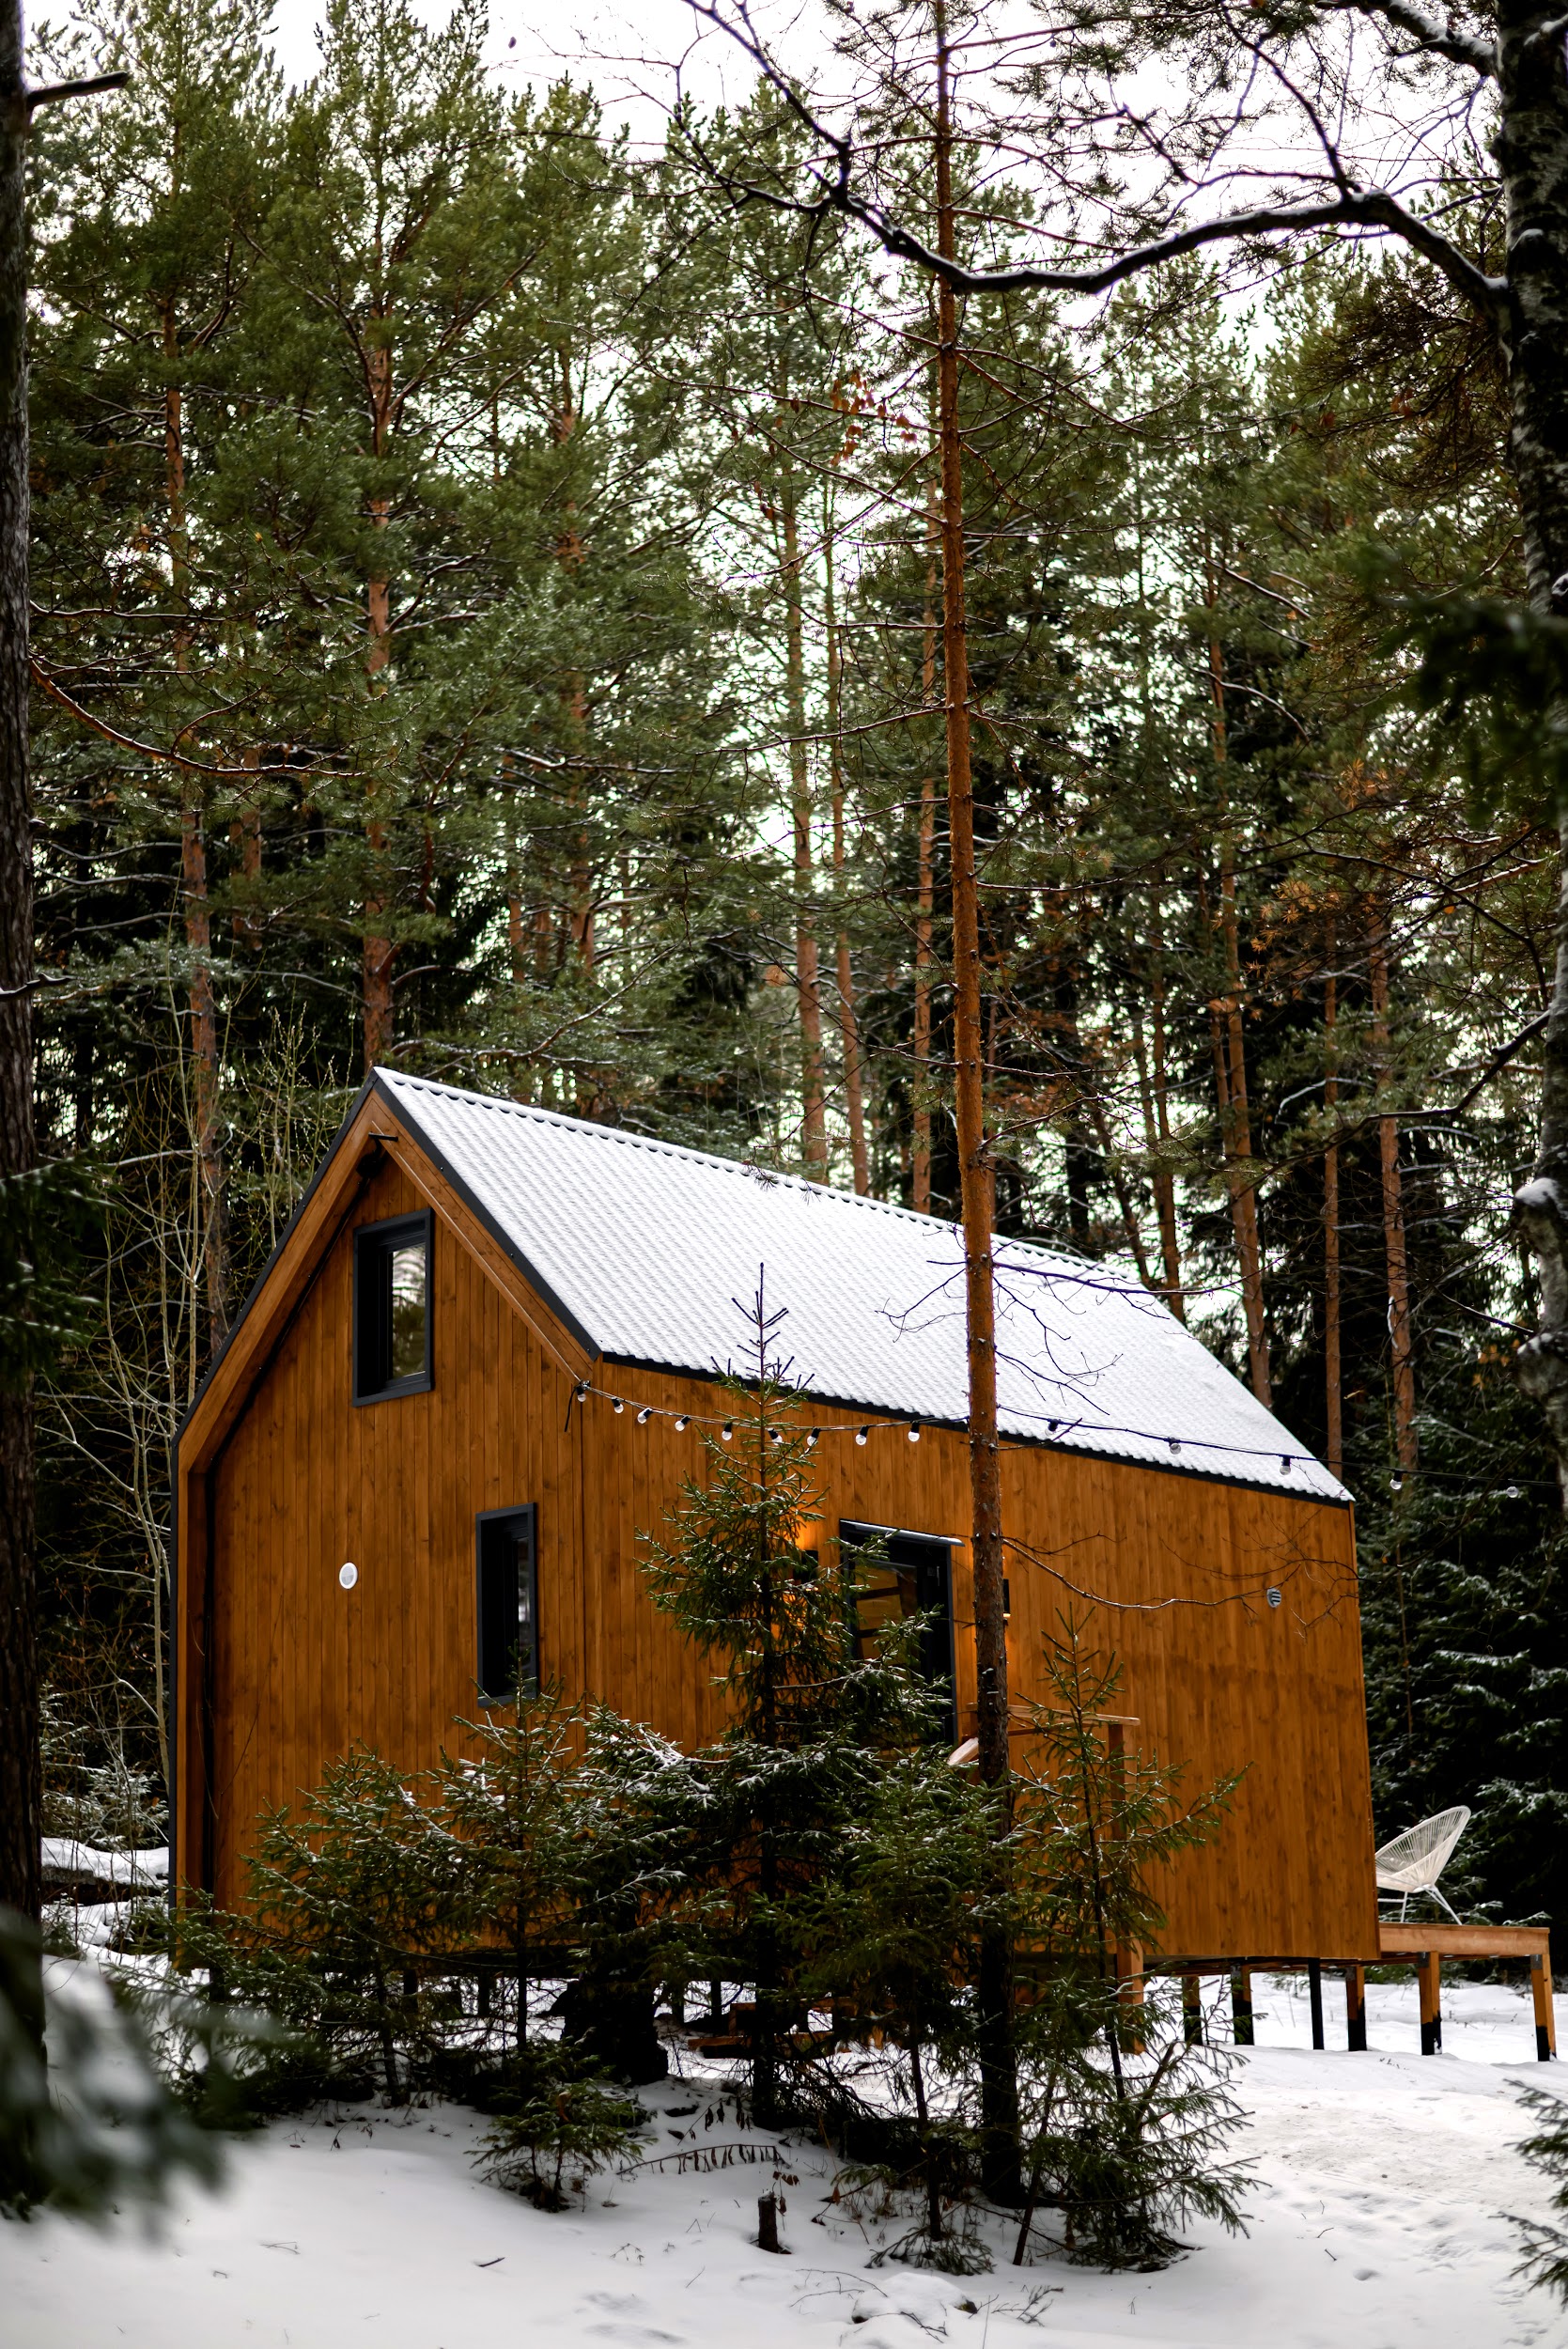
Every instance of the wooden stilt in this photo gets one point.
(1192, 2010)
(1315, 1992)
(1429, 1979)
(1545, 2019)
(1355, 2008)
(1241, 2004)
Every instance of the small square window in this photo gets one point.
(392, 1308)
(508, 1606)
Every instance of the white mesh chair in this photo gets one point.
(1412, 1864)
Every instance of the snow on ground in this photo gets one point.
(1379, 2222)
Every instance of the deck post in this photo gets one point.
(1355, 2008)
(1314, 1992)
(1545, 2019)
(1192, 2010)
(1241, 2004)
(1429, 1981)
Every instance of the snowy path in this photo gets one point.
(1378, 2226)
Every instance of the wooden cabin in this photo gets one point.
(474, 1372)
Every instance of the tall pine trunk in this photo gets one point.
(20, 1790)
(808, 984)
(377, 949)
(854, 1076)
(1228, 1042)
(921, 1166)
(998, 2074)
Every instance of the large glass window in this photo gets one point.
(894, 1576)
(508, 1661)
(392, 1308)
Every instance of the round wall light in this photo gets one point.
(348, 1574)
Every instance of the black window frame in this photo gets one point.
(928, 1557)
(489, 1522)
(374, 1244)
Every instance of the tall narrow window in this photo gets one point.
(508, 1605)
(392, 1308)
(898, 1575)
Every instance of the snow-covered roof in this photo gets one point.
(643, 1248)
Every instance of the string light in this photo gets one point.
(914, 1428)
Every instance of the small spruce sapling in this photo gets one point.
(554, 2115)
(1126, 2127)
(810, 1717)
(353, 1894)
(1546, 2259)
(515, 1806)
(893, 1929)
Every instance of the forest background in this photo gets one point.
(487, 600)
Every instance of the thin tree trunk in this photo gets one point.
(1332, 1374)
(854, 1082)
(377, 952)
(1154, 1097)
(21, 1786)
(193, 864)
(1400, 1340)
(203, 1056)
(808, 987)
(1230, 1051)
(997, 2076)
(920, 1171)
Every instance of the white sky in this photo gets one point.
(624, 47)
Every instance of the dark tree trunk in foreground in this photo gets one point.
(998, 2080)
(21, 1795)
(1531, 150)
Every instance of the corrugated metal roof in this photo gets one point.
(644, 1248)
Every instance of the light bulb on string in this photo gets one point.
(616, 1403)
(914, 1431)
(580, 1393)
(813, 1438)
(862, 1434)
(683, 1422)
(727, 1431)
(644, 1415)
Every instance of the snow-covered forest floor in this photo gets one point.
(1379, 2219)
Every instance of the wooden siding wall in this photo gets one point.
(1169, 1570)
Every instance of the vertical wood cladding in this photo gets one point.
(280, 1669)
